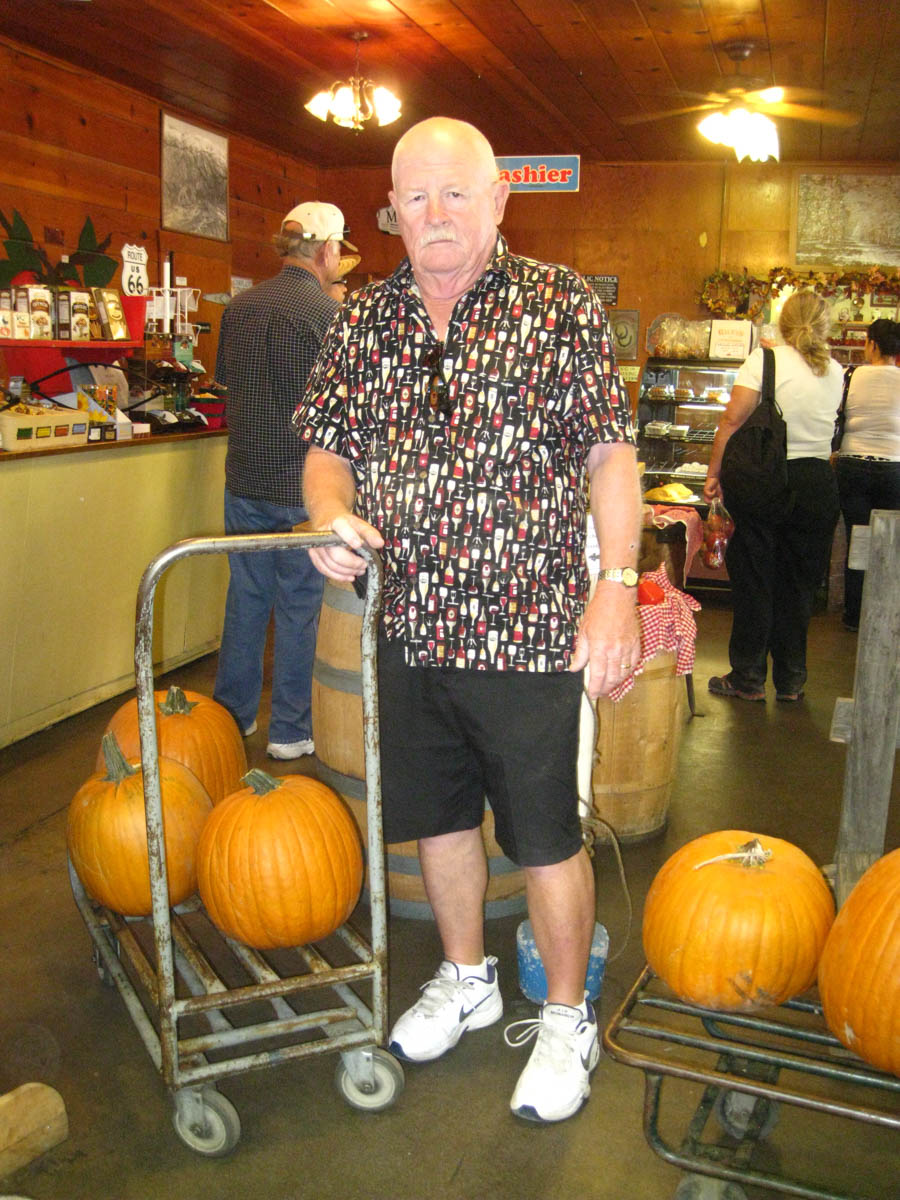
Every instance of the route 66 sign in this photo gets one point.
(134, 271)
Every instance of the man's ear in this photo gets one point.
(501, 195)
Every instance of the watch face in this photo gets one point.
(629, 576)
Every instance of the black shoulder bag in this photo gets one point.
(753, 474)
(838, 436)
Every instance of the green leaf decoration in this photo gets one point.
(99, 270)
(87, 239)
(19, 229)
(24, 257)
(7, 273)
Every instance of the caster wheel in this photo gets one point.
(733, 1111)
(704, 1187)
(389, 1082)
(219, 1130)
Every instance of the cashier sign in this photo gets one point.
(541, 172)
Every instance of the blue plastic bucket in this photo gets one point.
(532, 978)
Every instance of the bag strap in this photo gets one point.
(767, 394)
(848, 375)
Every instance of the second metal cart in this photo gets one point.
(208, 1007)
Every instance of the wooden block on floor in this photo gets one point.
(32, 1120)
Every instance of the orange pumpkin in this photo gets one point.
(280, 862)
(192, 729)
(107, 832)
(859, 972)
(735, 922)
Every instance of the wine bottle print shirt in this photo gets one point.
(469, 455)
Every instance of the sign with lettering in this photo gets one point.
(134, 271)
(604, 287)
(541, 172)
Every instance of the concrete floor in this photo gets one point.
(767, 767)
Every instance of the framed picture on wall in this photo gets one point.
(846, 218)
(194, 170)
(624, 323)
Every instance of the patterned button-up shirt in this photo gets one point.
(482, 509)
(268, 344)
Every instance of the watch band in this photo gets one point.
(626, 575)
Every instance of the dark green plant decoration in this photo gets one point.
(24, 254)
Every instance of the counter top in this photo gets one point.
(147, 439)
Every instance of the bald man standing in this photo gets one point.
(456, 415)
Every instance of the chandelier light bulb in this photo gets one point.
(750, 134)
(351, 103)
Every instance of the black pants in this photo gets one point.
(863, 485)
(775, 570)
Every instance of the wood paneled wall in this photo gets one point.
(74, 144)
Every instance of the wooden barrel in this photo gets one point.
(636, 752)
(338, 734)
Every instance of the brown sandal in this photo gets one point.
(721, 685)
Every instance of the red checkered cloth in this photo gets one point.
(669, 625)
(663, 515)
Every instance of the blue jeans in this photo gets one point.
(283, 580)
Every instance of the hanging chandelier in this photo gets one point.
(750, 134)
(351, 103)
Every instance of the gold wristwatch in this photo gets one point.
(626, 575)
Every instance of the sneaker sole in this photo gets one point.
(477, 1019)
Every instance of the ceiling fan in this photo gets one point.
(744, 91)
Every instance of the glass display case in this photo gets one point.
(679, 406)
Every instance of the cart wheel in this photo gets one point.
(219, 1131)
(704, 1187)
(389, 1083)
(734, 1109)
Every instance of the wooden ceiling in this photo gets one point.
(537, 76)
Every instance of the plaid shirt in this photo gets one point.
(267, 347)
(483, 511)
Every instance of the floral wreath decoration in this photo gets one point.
(741, 296)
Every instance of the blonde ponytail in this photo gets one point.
(805, 324)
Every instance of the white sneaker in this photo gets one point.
(286, 750)
(450, 1004)
(251, 729)
(554, 1084)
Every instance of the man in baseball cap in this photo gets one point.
(319, 222)
(268, 342)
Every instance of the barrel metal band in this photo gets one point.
(342, 600)
(337, 679)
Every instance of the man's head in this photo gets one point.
(311, 236)
(448, 201)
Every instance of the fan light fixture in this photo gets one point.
(351, 103)
(750, 134)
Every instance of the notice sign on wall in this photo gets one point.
(541, 172)
(604, 287)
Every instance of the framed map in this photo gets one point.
(844, 219)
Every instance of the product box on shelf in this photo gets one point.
(112, 317)
(41, 428)
(73, 315)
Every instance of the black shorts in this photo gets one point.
(450, 737)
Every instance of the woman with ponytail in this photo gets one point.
(777, 565)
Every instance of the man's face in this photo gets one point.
(448, 206)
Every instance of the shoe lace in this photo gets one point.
(436, 994)
(552, 1042)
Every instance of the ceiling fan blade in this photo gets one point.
(639, 118)
(805, 112)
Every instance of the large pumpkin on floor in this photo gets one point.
(107, 831)
(192, 729)
(859, 972)
(280, 862)
(735, 921)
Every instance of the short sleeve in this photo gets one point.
(751, 371)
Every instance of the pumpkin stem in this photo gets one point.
(260, 781)
(751, 854)
(176, 702)
(117, 765)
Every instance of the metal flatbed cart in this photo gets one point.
(207, 1006)
(749, 1063)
